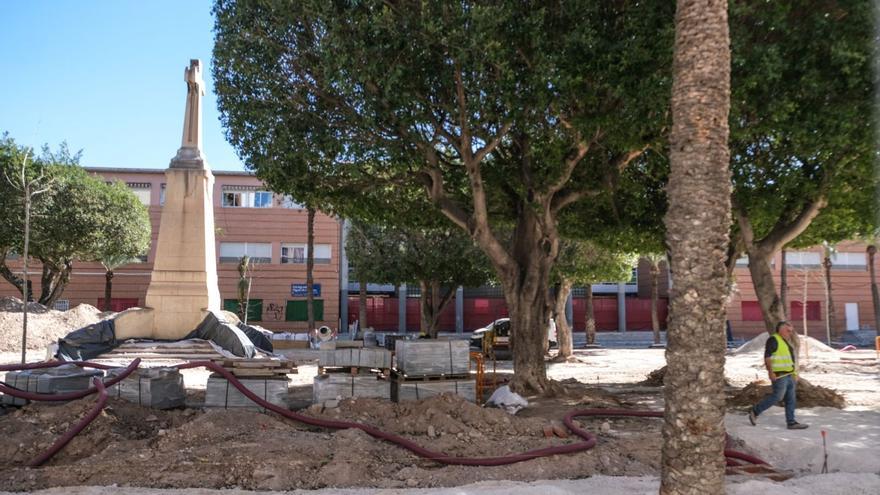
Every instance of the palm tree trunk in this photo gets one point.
(108, 290)
(362, 304)
(590, 317)
(697, 233)
(563, 330)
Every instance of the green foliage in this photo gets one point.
(583, 263)
(394, 255)
(800, 123)
(79, 217)
(334, 101)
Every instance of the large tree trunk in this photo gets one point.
(697, 226)
(433, 301)
(53, 281)
(765, 288)
(655, 318)
(310, 267)
(875, 293)
(590, 317)
(12, 278)
(563, 330)
(108, 290)
(362, 304)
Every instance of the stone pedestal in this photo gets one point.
(184, 279)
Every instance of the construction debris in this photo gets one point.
(808, 395)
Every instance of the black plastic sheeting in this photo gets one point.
(96, 339)
(88, 342)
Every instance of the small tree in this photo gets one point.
(654, 261)
(582, 262)
(123, 232)
(244, 287)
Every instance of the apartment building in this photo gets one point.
(249, 219)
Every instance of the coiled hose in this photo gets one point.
(589, 440)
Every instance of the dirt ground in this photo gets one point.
(207, 448)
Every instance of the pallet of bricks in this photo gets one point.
(267, 378)
(352, 372)
(425, 368)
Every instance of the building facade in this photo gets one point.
(249, 220)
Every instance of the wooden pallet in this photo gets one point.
(430, 378)
(354, 370)
(258, 367)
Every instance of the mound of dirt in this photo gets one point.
(654, 378)
(808, 395)
(10, 303)
(756, 345)
(44, 327)
(255, 451)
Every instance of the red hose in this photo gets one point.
(69, 434)
(588, 443)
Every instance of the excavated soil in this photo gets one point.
(134, 446)
(808, 395)
(45, 326)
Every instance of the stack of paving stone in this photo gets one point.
(352, 372)
(267, 378)
(58, 380)
(425, 368)
(159, 388)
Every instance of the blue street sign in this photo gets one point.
(300, 290)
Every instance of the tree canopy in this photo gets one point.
(80, 218)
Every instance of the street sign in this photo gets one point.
(300, 290)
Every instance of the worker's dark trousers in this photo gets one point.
(784, 389)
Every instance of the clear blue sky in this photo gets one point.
(107, 77)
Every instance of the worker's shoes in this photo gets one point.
(797, 426)
(753, 418)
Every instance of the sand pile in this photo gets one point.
(45, 326)
(813, 346)
(654, 378)
(808, 395)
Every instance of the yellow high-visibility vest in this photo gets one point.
(781, 360)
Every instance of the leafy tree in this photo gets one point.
(123, 233)
(801, 140)
(438, 259)
(583, 263)
(502, 115)
(81, 217)
(697, 235)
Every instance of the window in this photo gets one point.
(62, 305)
(849, 261)
(298, 310)
(744, 261)
(751, 311)
(245, 197)
(259, 252)
(803, 259)
(141, 190)
(814, 311)
(297, 253)
(254, 308)
(162, 195)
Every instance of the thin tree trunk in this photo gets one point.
(783, 285)
(310, 267)
(875, 293)
(108, 290)
(765, 289)
(362, 304)
(655, 318)
(24, 259)
(830, 323)
(590, 317)
(564, 337)
(432, 303)
(697, 229)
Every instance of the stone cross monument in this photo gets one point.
(183, 286)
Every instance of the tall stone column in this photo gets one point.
(183, 286)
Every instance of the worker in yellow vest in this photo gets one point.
(780, 360)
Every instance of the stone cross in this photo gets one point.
(195, 89)
(190, 153)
